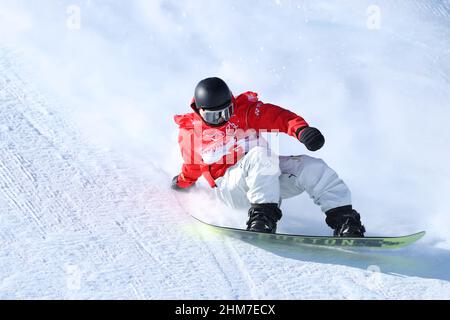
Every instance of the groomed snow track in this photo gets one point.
(81, 223)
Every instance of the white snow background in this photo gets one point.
(88, 146)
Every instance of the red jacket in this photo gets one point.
(210, 151)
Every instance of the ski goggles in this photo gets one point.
(218, 116)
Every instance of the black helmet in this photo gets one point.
(212, 93)
(214, 101)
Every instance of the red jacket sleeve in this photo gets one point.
(266, 116)
(191, 169)
(189, 175)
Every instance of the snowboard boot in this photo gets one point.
(345, 221)
(263, 217)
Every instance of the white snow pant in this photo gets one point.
(263, 178)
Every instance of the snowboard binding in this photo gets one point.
(263, 217)
(346, 222)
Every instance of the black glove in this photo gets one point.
(312, 138)
(175, 185)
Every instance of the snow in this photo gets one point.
(88, 146)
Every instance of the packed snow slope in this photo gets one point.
(88, 147)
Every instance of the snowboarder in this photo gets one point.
(220, 140)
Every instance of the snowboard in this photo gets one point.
(367, 242)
